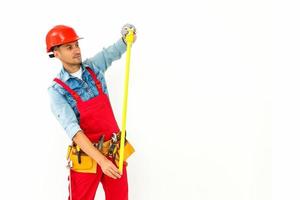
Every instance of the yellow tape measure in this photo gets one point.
(129, 40)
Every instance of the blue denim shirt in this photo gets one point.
(63, 105)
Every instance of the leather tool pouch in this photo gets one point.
(128, 150)
(89, 165)
(86, 164)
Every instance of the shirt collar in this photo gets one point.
(65, 76)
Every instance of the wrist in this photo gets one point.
(101, 158)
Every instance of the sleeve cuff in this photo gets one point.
(72, 130)
(121, 45)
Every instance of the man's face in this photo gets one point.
(69, 53)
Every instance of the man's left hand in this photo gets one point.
(125, 29)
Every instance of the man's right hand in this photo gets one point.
(106, 165)
(109, 169)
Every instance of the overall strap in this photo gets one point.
(66, 87)
(97, 82)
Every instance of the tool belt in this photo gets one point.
(81, 162)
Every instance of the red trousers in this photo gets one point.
(84, 185)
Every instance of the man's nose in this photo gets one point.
(76, 50)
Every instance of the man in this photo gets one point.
(79, 101)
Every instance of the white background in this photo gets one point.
(213, 100)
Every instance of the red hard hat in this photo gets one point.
(59, 35)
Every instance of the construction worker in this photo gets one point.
(79, 101)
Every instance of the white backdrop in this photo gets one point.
(200, 98)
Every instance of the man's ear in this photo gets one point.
(55, 53)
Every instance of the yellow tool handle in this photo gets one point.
(129, 41)
(77, 148)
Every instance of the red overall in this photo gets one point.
(96, 119)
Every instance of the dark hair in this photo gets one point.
(53, 49)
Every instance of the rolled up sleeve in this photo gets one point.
(64, 113)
